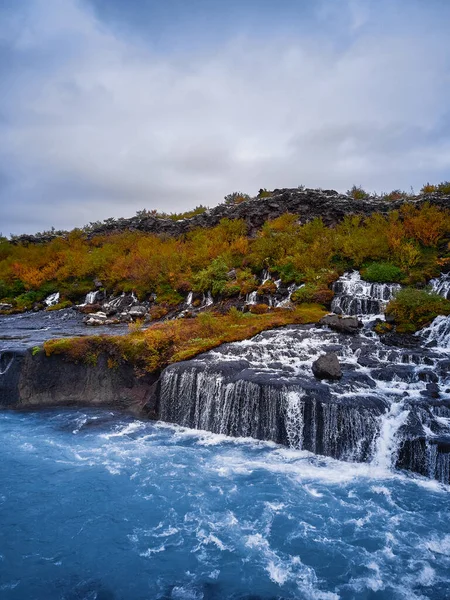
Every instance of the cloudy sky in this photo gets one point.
(111, 106)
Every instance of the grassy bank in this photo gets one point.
(163, 343)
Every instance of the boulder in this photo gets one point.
(98, 318)
(137, 312)
(327, 366)
(5, 306)
(341, 324)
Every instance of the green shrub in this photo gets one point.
(382, 272)
(11, 290)
(312, 293)
(214, 278)
(289, 274)
(412, 309)
(236, 198)
(357, 193)
(428, 188)
(231, 289)
(444, 187)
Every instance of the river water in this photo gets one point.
(96, 505)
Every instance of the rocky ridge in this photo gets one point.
(309, 204)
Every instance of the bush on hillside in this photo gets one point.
(312, 293)
(382, 272)
(412, 308)
(357, 193)
(236, 198)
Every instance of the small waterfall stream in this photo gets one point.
(52, 299)
(441, 285)
(91, 297)
(354, 296)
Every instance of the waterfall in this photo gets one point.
(287, 301)
(91, 297)
(265, 276)
(207, 299)
(438, 333)
(384, 410)
(387, 443)
(202, 399)
(251, 298)
(354, 296)
(189, 299)
(441, 285)
(52, 299)
(438, 462)
(294, 419)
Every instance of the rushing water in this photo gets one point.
(354, 296)
(95, 505)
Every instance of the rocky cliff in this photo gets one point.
(31, 380)
(307, 203)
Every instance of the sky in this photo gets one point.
(108, 107)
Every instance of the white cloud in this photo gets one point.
(99, 125)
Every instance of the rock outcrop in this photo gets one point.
(340, 324)
(30, 380)
(331, 206)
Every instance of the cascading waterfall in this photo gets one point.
(441, 285)
(354, 296)
(201, 398)
(384, 410)
(52, 299)
(438, 333)
(251, 298)
(287, 301)
(387, 443)
(91, 297)
(207, 299)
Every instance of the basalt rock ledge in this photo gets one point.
(309, 204)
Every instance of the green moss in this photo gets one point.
(60, 305)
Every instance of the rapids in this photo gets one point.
(95, 505)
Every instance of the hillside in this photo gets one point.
(298, 237)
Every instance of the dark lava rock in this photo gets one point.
(401, 340)
(327, 367)
(307, 203)
(341, 324)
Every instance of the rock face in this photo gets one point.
(327, 367)
(28, 380)
(341, 324)
(307, 203)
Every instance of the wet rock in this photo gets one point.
(327, 367)
(120, 304)
(137, 312)
(88, 309)
(341, 324)
(98, 318)
(5, 306)
(432, 390)
(401, 340)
